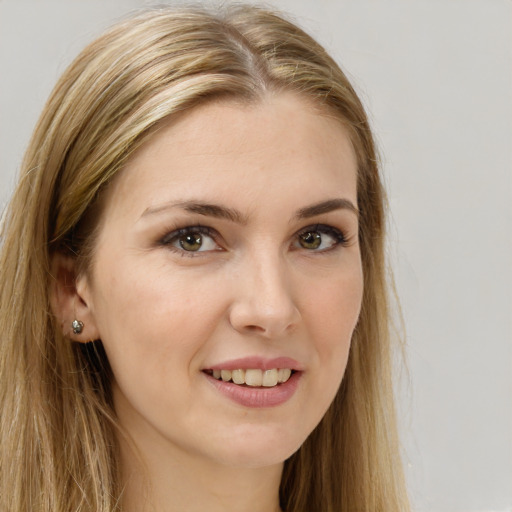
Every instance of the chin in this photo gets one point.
(256, 448)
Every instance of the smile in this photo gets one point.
(257, 388)
(254, 381)
(253, 377)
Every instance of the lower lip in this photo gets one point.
(257, 398)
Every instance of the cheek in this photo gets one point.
(151, 333)
(152, 315)
(333, 314)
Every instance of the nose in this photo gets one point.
(264, 304)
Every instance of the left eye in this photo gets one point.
(191, 240)
(320, 238)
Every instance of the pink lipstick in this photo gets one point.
(256, 382)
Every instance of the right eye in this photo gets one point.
(191, 240)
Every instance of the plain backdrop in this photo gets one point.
(436, 76)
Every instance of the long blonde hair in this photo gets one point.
(58, 449)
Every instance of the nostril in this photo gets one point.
(254, 328)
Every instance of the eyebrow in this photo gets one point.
(233, 215)
(206, 209)
(326, 207)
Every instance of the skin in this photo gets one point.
(165, 314)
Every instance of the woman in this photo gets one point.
(193, 301)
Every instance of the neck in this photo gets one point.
(171, 481)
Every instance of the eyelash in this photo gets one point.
(340, 239)
(174, 235)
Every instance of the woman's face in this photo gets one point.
(230, 242)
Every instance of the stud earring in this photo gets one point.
(77, 326)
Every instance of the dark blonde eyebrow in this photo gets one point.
(206, 209)
(326, 207)
(233, 215)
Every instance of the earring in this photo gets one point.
(77, 326)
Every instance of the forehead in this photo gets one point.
(279, 144)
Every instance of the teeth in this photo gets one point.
(283, 374)
(270, 378)
(254, 377)
(238, 376)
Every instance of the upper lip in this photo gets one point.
(257, 363)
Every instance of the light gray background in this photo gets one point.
(436, 76)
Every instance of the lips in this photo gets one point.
(256, 382)
(259, 363)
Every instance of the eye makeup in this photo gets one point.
(196, 239)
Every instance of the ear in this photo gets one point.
(70, 299)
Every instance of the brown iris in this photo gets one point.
(191, 242)
(310, 239)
